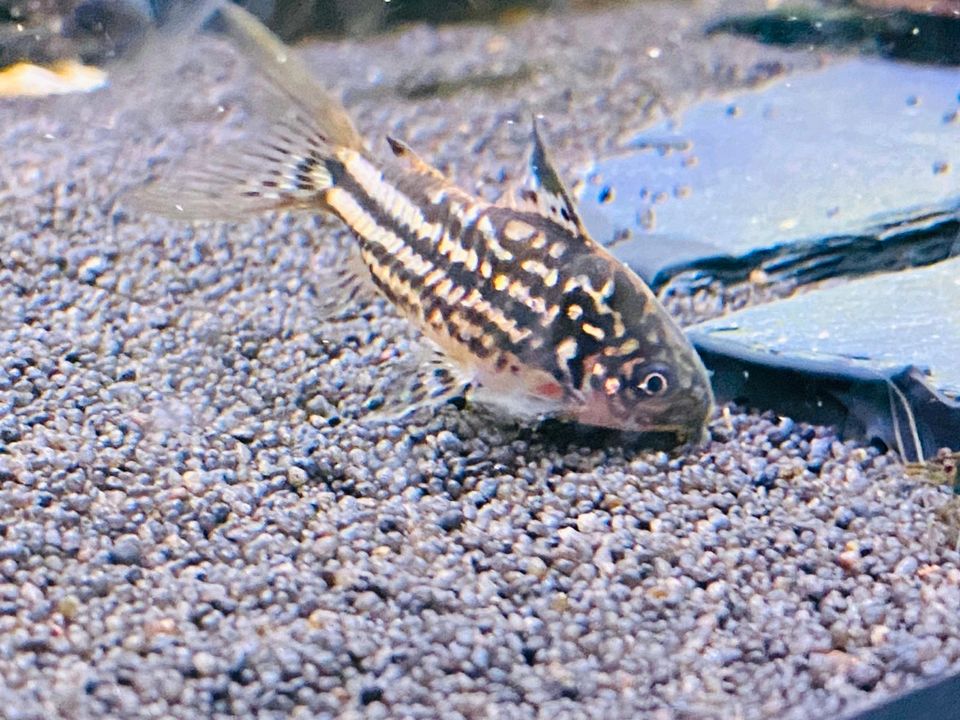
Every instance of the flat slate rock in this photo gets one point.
(876, 356)
(924, 31)
(850, 169)
(934, 700)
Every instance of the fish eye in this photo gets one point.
(654, 383)
(651, 382)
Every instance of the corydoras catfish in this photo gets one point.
(523, 309)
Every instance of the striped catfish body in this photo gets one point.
(526, 309)
(537, 316)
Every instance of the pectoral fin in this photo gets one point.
(428, 380)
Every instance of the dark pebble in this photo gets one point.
(451, 520)
(370, 694)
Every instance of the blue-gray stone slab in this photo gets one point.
(878, 356)
(934, 700)
(849, 169)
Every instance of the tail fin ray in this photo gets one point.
(285, 161)
(290, 75)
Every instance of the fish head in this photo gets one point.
(647, 395)
(643, 374)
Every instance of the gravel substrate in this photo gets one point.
(194, 522)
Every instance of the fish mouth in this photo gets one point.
(687, 421)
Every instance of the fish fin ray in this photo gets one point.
(413, 161)
(287, 159)
(287, 168)
(289, 75)
(434, 381)
(543, 192)
(343, 287)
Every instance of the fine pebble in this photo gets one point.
(195, 521)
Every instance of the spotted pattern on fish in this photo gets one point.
(424, 246)
(516, 295)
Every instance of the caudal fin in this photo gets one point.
(283, 164)
(274, 60)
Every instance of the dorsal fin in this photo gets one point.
(543, 192)
(416, 163)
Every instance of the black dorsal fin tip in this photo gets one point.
(544, 191)
(540, 166)
(398, 147)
